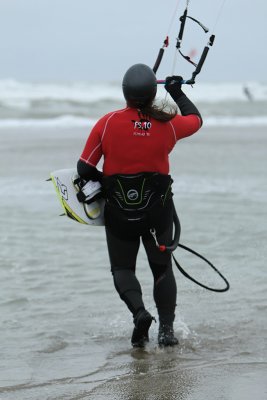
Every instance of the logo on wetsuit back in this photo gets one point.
(141, 127)
(132, 194)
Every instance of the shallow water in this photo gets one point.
(65, 334)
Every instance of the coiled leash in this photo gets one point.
(175, 243)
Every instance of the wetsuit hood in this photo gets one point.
(139, 85)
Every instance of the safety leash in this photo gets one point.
(175, 243)
(227, 285)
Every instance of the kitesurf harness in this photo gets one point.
(136, 192)
(198, 66)
(175, 243)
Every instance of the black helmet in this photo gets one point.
(139, 85)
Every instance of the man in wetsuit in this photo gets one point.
(135, 143)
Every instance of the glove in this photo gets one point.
(88, 172)
(173, 86)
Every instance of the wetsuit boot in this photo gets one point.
(142, 322)
(166, 335)
(165, 299)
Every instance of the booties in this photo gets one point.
(142, 322)
(166, 336)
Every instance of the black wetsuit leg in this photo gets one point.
(123, 239)
(123, 254)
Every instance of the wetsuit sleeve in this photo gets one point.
(174, 88)
(190, 121)
(185, 126)
(92, 152)
(187, 107)
(87, 172)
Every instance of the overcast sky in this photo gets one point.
(98, 40)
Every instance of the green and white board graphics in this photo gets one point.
(67, 190)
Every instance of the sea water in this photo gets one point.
(82, 103)
(65, 334)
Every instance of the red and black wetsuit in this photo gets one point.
(132, 143)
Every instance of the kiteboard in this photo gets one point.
(66, 189)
